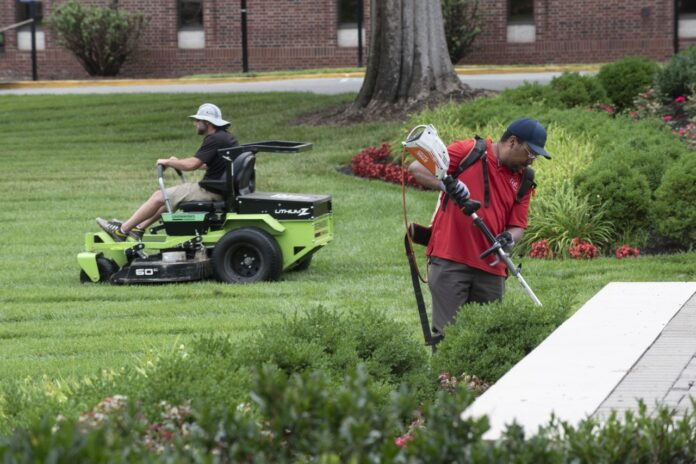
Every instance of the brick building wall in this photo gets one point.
(282, 34)
(579, 31)
(302, 34)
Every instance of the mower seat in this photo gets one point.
(244, 182)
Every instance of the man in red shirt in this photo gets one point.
(457, 275)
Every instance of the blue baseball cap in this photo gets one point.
(532, 132)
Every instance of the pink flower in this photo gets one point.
(682, 132)
(667, 118)
(680, 99)
(402, 440)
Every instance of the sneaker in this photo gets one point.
(112, 228)
(136, 233)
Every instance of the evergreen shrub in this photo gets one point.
(624, 79)
(336, 343)
(678, 77)
(575, 89)
(624, 192)
(673, 212)
(487, 340)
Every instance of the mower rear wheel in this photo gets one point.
(106, 268)
(247, 255)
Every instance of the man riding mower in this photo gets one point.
(234, 234)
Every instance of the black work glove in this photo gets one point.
(456, 189)
(506, 241)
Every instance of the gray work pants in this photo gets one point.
(452, 285)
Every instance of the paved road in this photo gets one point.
(329, 85)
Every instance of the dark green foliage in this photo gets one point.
(462, 25)
(533, 93)
(487, 340)
(336, 342)
(303, 418)
(621, 188)
(678, 76)
(624, 79)
(575, 89)
(102, 38)
(674, 210)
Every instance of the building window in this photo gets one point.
(190, 16)
(2, 42)
(686, 9)
(348, 11)
(521, 28)
(23, 11)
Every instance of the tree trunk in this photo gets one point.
(408, 65)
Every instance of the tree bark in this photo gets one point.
(408, 64)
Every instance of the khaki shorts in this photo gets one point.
(190, 192)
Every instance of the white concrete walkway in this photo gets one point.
(578, 368)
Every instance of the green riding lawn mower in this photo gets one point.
(248, 237)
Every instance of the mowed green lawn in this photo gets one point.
(69, 159)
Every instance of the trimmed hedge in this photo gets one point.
(674, 210)
(678, 76)
(624, 79)
(487, 340)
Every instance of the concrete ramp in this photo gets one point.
(631, 340)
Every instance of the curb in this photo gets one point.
(220, 80)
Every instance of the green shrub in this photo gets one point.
(462, 20)
(102, 38)
(673, 212)
(487, 340)
(533, 93)
(561, 215)
(337, 342)
(575, 89)
(678, 77)
(624, 79)
(622, 190)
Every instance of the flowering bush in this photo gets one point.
(679, 115)
(626, 251)
(579, 249)
(541, 250)
(375, 163)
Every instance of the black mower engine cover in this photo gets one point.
(168, 266)
(284, 205)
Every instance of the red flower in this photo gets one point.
(402, 440)
(667, 118)
(626, 251)
(541, 250)
(580, 249)
(680, 99)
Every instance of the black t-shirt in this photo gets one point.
(208, 153)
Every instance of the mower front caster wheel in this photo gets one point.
(106, 268)
(247, 255)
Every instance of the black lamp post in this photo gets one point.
(245, 51)
(32, 16)
(360, 27)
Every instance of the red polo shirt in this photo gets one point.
(454, 235)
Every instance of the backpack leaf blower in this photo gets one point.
(425, 145)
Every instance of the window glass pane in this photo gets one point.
(190, 13)
(521, 10)
(2, 41)
(348, 11)
(24, 12)
(687, 6)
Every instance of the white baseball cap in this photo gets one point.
(211, 113)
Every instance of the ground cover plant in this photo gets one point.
(67, 346)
